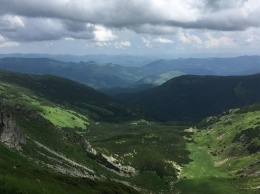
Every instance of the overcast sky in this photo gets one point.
(130, 26)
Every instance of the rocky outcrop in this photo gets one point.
(109, 161)
(10, 133)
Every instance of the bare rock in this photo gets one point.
(10, 133)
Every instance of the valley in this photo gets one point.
(64, 137)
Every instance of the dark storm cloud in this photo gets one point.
(75, 26)
(76, 18)
(39, 29)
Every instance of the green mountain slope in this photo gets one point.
(226, 154)
(195, 97)
(71, 94)
(40, 126)
(58, 136)
(74, 131)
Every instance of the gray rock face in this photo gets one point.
(10, 133)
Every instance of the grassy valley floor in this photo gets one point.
(201, 176)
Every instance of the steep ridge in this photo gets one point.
(195, 97)
(41, 127)
(46, 160)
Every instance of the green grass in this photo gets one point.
(57, 114)
(19, 175)
(149, 179)
(151, 148)
(64, 118)
(146, 146)
(234, 140)
(201, 176)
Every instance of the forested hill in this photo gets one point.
(195, 97)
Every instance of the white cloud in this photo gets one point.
(103, 34)
(154, 17)
(163, 40)
(147, 42)
(69, 38)
(183, 38)
(154, 23)
(220, 42)
(187, 38)
(11, 22)
(4, 42)
(102, 44)
(9, 44)
(208, 40)
(122, 45)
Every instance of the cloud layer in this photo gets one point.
(132, 25)
(29, 20)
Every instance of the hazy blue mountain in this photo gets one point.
(161, 78)
(124, 60)
(142, 84)
(89, 73)
(242, 65)
(111, 75)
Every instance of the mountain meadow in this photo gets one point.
(184, 126)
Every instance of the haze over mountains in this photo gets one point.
(109, 75)
(124, 60)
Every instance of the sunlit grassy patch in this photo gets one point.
(201, 176)
(59, 116)
(63, 117)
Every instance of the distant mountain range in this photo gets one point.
(123, 60)
(110, 75)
